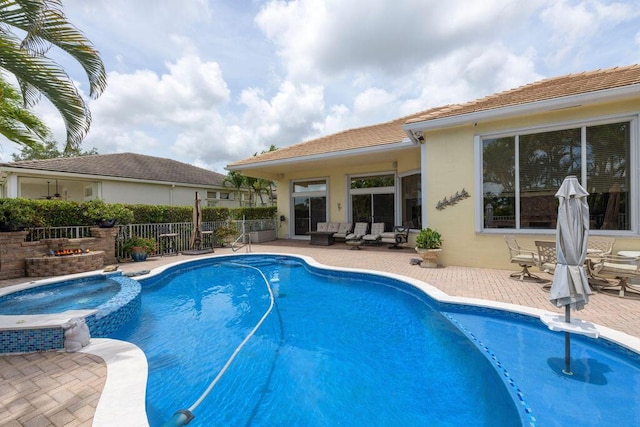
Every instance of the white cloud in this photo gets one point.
(573, 23)
(212, 81)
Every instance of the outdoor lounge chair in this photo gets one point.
(617, 267)
(525, 258)
(344, 229)
(377, 228)
(399, 235)
(355, 239)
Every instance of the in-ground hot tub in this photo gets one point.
(32, 315)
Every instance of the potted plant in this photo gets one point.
(15, 215)
(107, 214)
(429, 246)
(226, 233)
(139, 247)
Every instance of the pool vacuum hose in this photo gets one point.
(184, 416)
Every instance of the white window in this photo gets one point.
(521, 173)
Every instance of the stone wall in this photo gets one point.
(49, 266)
(14, 250)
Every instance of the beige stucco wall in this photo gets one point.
(449, 163)
(404, 160)
(450, 167)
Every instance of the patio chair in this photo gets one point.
(617, 267)
(547, 258)
(399, 235)
(344, 229)
(355, 239)
(525, 258)
(600, 245)
(377, 228)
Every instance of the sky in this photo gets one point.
(209, 82)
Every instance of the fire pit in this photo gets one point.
(66, 252)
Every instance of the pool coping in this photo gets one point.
(124, 393)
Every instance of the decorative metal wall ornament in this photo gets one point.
(459, 195)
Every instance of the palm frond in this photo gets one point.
(42, 75)
(44, 24)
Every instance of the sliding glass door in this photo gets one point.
(309, 206)
(373, 199)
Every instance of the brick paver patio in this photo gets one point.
(63, 389)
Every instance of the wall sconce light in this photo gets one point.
(339, 206)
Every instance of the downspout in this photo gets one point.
(423, 182)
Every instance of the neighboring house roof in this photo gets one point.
(124, 165)
(595, 83)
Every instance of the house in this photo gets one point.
(116, 178)
(476, 171)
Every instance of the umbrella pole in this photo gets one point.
(567, 342)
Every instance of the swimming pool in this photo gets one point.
(347, 348)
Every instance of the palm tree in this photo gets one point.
(16, 122)
(42, 24)
(237, 181)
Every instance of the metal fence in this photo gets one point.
(74, 232)
(170, 237)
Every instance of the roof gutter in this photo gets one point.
(414, 130)
(402, 145)
(42, 173)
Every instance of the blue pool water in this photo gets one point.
(86, 294)
(343, 348)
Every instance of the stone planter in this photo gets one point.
(262, 236)
(429, 257)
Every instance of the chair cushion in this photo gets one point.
(333, 227)
(525, 259)
(322, 226)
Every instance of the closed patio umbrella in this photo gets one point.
(570, 287)
(196, 237)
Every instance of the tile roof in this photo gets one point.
(125, 165)
(391, 132)
(369, 136)
(542, 90)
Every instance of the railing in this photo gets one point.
(176, 237)
(169, 237)
(73, 232)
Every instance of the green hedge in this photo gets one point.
(60, 213)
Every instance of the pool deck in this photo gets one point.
(63, 389)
